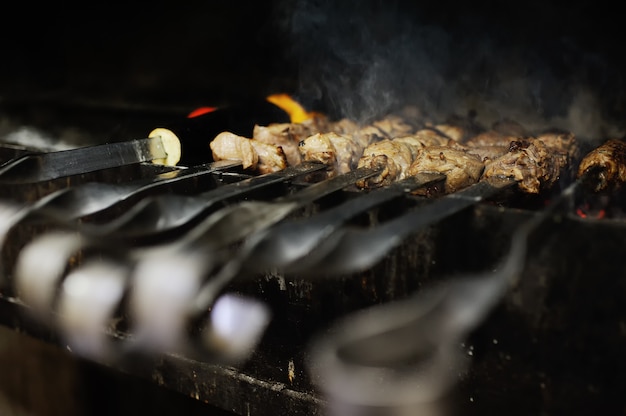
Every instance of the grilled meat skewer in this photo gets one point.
(342, 148)
(288, 135)
(531, 162)
(461, 168)
(394, 156)
(254, 154)
(604, 168)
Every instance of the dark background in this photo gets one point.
(539, 62)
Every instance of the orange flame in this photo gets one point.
(297, 113)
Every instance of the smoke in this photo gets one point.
(363, 60)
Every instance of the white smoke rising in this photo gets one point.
(37, 138)
(368, 59)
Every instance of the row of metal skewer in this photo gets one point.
(170, 258)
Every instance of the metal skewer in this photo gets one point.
(41, 167)
(407, 354)
(93, 197)
(10, 152)
(169, 213)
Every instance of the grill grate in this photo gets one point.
(548, 322)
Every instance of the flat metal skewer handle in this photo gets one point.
(52, 165)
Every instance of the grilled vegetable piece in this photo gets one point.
(460, 167)
(533, 164)
(254, 154)
(604, 168)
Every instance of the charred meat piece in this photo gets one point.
(391, 157)
(342, 148)
(604, 168)
(288, 135)
(460, 167)
(564, 144)
(338, 151)
(254, 154)
(533, 164)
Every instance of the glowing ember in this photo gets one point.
(201, 111)
(586, 212)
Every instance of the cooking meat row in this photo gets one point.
(398, 148)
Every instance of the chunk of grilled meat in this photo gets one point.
(564, 144)
(487, 153)
(460, 167)
(393, 157)
(604, 168)
(491, 138)
(339, 152)
(254, 154)
(531, 162)
(288, 135)
(342, 147)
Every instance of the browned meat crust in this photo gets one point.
(288, 135)
(339, 152)
(533, 164)
(487, 153)
(604, 168)
(491, 138)
(564, 144)
(254, 154)
(391, 157)
(460, 167)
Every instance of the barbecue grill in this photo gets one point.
(409, 260)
